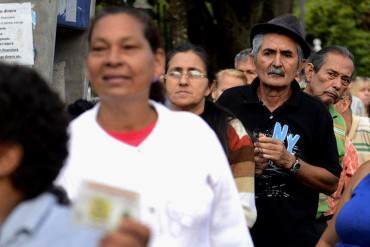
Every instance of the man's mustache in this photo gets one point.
(333, 91)
(275, 71)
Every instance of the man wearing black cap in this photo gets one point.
(295, 149)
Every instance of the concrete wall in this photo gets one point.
(43, 34)
(70, 49)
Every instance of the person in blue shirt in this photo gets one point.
(33, 147)
(350, 225)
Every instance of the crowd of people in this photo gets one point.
(273, 152)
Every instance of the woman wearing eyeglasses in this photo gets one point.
(187, 198)
(187, 84)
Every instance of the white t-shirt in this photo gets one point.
(187, 191)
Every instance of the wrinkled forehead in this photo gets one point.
(276, 41)
(246, 64)
(338, 63)
(187, 60)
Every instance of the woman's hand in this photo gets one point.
(130, 233)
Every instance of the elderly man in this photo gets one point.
(244, 63)
(328, 74)
(296, 156)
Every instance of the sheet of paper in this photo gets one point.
(16, 38)
(71, 11)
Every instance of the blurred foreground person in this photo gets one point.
(33, 146)
(187, 82)
(187, 197)
(350, 226)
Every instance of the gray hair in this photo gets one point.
(242, 56)
(257, 42)
(318, 58)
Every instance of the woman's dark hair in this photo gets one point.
(151, 32)
(157, 92)
(198, 50)
(32, 116)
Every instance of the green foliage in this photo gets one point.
(342, 22)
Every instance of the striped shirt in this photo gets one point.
(359, 134)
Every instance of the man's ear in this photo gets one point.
(10, 158)
(309, 71)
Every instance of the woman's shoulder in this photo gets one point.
(84, 123)
(179, 119)
(86, 116)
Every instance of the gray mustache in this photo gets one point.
(332, 91)
(276, 71)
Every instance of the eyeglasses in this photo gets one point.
(191, 75)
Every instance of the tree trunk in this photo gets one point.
(177, 19)
(235, 18)
(222, 27)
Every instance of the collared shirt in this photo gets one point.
(340, 130)
(286, 207)
(43, 222)
(359, 134)
(357, 107)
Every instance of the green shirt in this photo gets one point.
(340, 136)
(340, 129)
